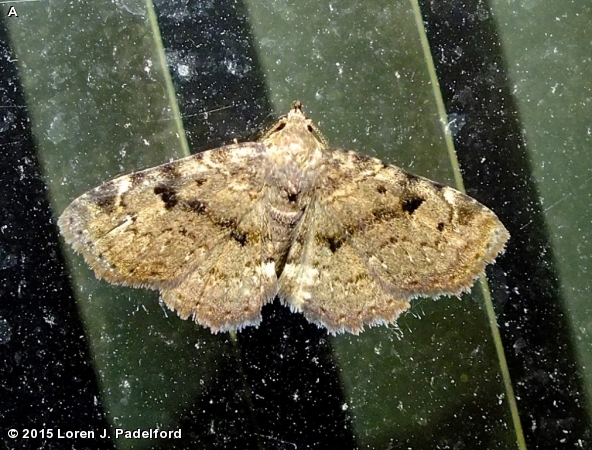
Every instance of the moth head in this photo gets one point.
(295, 127)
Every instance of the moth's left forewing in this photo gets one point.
(417, 236)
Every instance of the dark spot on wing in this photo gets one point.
(106, 202)
(170, 170)
(411, 204)
(381, 189)
(137, 178)
(440, 226)
(105, 196)
(167, 194)
(239, 237)
(195, 205)
(335, 242)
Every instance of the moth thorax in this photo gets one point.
(293, 181)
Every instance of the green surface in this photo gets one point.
(547, 50)
(100, 107)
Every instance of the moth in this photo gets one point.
(340, 237)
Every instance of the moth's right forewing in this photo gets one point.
(151, 227)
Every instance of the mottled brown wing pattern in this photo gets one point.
(380, 236)
(226, 292)
(178, 224)
(351, 238)
(327, 280)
